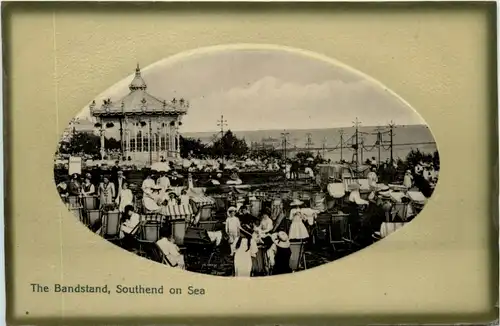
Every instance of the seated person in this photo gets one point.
(176, 180)
(151, 199)
(355, 197)
(171, 251)
(62, 188)
(184, 198)
(278, 255)
(130, 220)
(266, 224)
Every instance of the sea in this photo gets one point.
(327, 142)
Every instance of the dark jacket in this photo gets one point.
(282, 261)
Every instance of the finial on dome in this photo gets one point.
(138, 70)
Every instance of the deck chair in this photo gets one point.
(297, 258)
(206, 212)
(208, 225)
(322, 228)
(198, 238)
(163, 258)
(178, 230)
(255, 207)
(78, 212)
(340, 233)
(93, 216)
(110, 229)
(148, 235)
(74, 201)
(89, 202)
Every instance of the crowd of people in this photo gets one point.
(258, 243)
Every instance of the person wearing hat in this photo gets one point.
(148, 183)
(74, 185)
(387, 204)
(176, 180)
(119, 181)
(152, 198)
(266, 224)
(408, 179)
(62, 189)
(170, 197)
(419, 168)
(88, 188)
(106, 192)
(232, 227)
(125, 197)
(278, 256)
(298, 230)
(372, 178)
(163, 182)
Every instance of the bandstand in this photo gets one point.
(148, 126)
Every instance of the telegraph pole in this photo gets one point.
(309, 142)
(284, 135)
(357, 124)
(391, 133)
(324, 147)
(222, 123)
(379, 142)
(341, 143)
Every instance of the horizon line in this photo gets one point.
(304, 129)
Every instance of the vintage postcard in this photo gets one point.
(260, 167)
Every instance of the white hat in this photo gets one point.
(231, 209)
(296, 202)
(385, 194)
(383, 188)
(282, 240)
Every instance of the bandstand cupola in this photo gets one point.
(148, 126)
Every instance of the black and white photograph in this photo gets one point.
(245, 161)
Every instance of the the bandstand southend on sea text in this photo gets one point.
(118, 289)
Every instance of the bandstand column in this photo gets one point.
(101, 132)
(178, 141)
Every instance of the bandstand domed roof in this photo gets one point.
(139, 102)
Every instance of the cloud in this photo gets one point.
(271, 103)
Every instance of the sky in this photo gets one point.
(262, 89)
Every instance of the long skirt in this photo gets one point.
(298, 230)
(242, 264)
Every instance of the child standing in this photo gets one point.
(232, 227)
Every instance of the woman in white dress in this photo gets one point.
(125, 197)
(243, 258)
(298, 229)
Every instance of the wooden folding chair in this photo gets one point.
(297, 258)
(92, 217)
(77, 211)
(340, 230)
(110, 229)
(90, 202)
(148, 235)
(74, 201)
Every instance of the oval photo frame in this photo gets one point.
(246, 160)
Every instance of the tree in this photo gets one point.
(111, 143)
(229, 146)
(435, 160)
(82, 142)
(193, 147)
